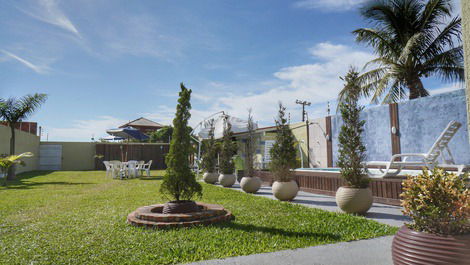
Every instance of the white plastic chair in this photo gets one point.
(117, 169)
(429, 159)
(146, 168)
(139, 167)
(132, 169)
(108, 168)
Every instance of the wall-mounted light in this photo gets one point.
(328, 137)
(394, 130)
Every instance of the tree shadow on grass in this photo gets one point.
(278, 231)
(22, 181)
(22, 185)
(151, 178)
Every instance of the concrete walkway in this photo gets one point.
(363, 252)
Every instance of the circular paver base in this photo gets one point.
(152, 216)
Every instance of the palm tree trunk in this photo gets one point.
(11, 170)
(416, 87)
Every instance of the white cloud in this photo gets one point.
(330, 5)
(84, 130)
(49, 12)
(38, 68)
(317, 82)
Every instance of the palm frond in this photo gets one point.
(15, 110)
(396, 93)
(447, 73)
(445, 38)
(378, 40)
(380, 88)
(410, 48)
(434, 13)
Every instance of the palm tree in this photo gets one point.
(15, 110)
(412, 42)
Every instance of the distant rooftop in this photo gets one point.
(143, 122)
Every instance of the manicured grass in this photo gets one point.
(80, 218)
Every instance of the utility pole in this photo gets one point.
(304, 115)
(303, 103)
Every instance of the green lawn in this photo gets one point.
(80, 218)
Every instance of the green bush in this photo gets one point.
(437, 203)
(179, 181)
(283, 152)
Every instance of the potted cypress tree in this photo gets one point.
(438, 203)
(249, 183)
(179, 181)
(355, 197)
(283, 159)
(209, 158)
(228, 149)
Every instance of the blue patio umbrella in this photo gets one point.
(127, 133)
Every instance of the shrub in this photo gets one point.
(209, 157)
(437, 203)
(283, 152)
(6, 162)
(351, 149)
(228, 149)
(179, 181)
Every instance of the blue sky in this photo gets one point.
(105, 62)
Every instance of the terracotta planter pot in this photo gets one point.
(285, 191)
(210, 177)
(227, 180)
(250, 184)
(354, 200)
(410, 247)
(180, 207)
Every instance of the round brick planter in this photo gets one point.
(153, 217)
(410, 247)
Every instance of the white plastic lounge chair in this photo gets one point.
(146, 168)
(429, 159)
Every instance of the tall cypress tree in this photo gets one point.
(228, 150)
(250, 147)
(209, 157)
(351, 149)
(283, 152)
(179, 181)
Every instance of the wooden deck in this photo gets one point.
(385, 191)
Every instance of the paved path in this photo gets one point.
(363, 252)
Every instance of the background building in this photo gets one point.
(144, 125)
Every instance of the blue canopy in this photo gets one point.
(128, 132)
